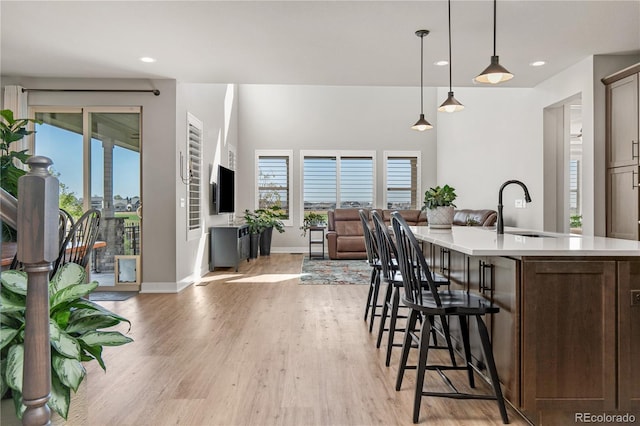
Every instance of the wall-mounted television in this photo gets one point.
(225, 190)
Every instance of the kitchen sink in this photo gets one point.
(529, 234)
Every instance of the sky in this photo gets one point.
(65, 150)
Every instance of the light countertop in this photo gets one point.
(479, 241)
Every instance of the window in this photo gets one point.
(194, 144)
(273, 183)
(574, 187)
(402, 180)
(345, 180)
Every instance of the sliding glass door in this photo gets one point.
(96, 157)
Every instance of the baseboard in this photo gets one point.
(165, 287)
(291, 250)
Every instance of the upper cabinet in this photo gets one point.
(623, 153)
(623, 119)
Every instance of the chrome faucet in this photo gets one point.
(527, 198)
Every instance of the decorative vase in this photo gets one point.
(265, 241)
(440, 217)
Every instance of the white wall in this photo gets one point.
(499, 136)
(169, 260)
(494, 139)
(329, 118)
(210, 103)
(158, 168)
(584, 78)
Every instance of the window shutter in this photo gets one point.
(402, 183)
(273, 182)
(194, 167)
(356, 182)
(320, 183)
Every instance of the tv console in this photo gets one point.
(228, 245)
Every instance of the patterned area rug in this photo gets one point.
(111, 296)
(334, 272)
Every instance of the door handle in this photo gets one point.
(633, 179)
(635, 152)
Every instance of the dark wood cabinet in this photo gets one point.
(622, 118)
(503, 326)
(623, 203)
(623, 153)
(568, 339)
(629, 335)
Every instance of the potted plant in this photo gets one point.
(312, 219)
(253, 221)
(76, 333)
(12, 130)
(269, 218)
(438, 203)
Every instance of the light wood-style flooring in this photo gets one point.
(257, 348)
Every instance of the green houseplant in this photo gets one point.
(12, 130)
(270, 218)
(438, 203)
(76, 333)
(312, 219)
(253, 222)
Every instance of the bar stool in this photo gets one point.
(428, 303)
(391, 275)
(374, 261)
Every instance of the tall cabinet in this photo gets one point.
(623, 153)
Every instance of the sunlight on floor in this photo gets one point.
(221, 277)
(266, 278)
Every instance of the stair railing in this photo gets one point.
(35, 217)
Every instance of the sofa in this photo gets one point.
(345, 239)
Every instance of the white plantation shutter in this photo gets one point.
(356, 182)
(194, 165)
(273, 182)
(402, 183)
(343, 179)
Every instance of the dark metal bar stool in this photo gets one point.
(391, 274)
(429, 303)
(373, 260)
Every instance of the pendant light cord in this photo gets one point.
(450, 90)
(421, 73)
(494, 26)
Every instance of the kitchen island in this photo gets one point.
(567, 337)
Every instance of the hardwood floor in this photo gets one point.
(257, 348)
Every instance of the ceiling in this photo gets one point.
(365, 43)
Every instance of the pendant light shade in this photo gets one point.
(494, 73)
(451, 104)
(422, 124)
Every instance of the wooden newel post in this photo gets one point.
(38, 212)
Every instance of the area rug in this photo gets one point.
(111, 296)
(334, 272)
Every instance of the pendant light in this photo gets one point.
(422, 124)
(451, 104)
(494, 73)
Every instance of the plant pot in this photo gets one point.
(254, 241)
(265, 241)
(440, 217)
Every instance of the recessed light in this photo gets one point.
(147, 59)
(441, 63)
(537, 63)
